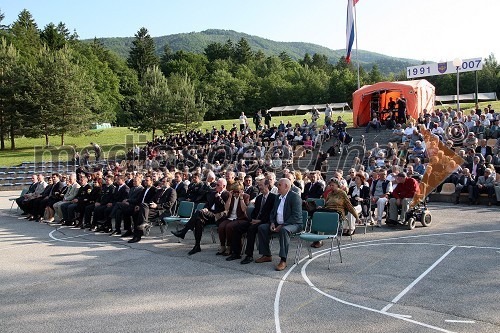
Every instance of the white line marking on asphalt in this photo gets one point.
(401, 315)
(80, 242)
(460, 321)
(364, 244)
(397, 316)
(407, 289)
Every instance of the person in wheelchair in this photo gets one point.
(402, 195)
(359, 195)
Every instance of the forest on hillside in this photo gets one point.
(53, 84)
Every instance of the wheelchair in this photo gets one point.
(418, 213)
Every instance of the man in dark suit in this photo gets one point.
(313, 189)
(180, 187)
(213, 212)
(147, 196)
(197, 190)
(476, 168)
(27, 196)
(102, 213)
(483, 149)
(260, 215)
(123, 210)
(285, 220)
(106, 196)
(56, 194)
(249, 189)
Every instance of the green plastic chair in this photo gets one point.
(324, 225)
(185, 211)
(305, 220)
(320, 202)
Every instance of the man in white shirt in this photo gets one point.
(243, 122)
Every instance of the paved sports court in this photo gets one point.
(444, 278)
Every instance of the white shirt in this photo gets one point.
(279, 212)
(243, 120)
(145, 193)
(233, 216)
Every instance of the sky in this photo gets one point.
(431, 30)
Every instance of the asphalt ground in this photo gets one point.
(443, 278)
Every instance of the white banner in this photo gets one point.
(468, 65)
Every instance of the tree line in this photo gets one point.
(53, 84)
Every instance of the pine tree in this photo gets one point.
(154, 107)
(26, 35)
(189, 108)
(243, 52)
(143, 53)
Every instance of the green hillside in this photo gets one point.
(196, 42)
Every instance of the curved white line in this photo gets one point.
(79, 242)
(367, 243)
(401, 317)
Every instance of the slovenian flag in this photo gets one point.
(350, 28)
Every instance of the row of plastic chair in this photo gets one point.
(323, 226)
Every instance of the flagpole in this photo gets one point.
(356, 36)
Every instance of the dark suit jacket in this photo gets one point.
(58, 187)
(106, 194)
(147, 199)
(265, 214)
(363, 193)
(292, 211)
(461, 181)
(165, 200)
(181, 190)
(32, 188)
(121, 194)
(252, 191)
(313, 190)
(135, 195)
(197, 192)
(219, 202)
(479, 170)
(489, 151)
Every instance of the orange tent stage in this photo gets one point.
(419, 94)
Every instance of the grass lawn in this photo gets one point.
(114, 140)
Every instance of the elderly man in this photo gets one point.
(71, 193)
(22, 201)
(402, 195)
(285, 220)
(484, 184)
(213, 212)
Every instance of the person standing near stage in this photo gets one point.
(401, 102)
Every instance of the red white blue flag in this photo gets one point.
(350, 28)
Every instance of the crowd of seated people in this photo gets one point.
(226, 171)
(473, 135)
